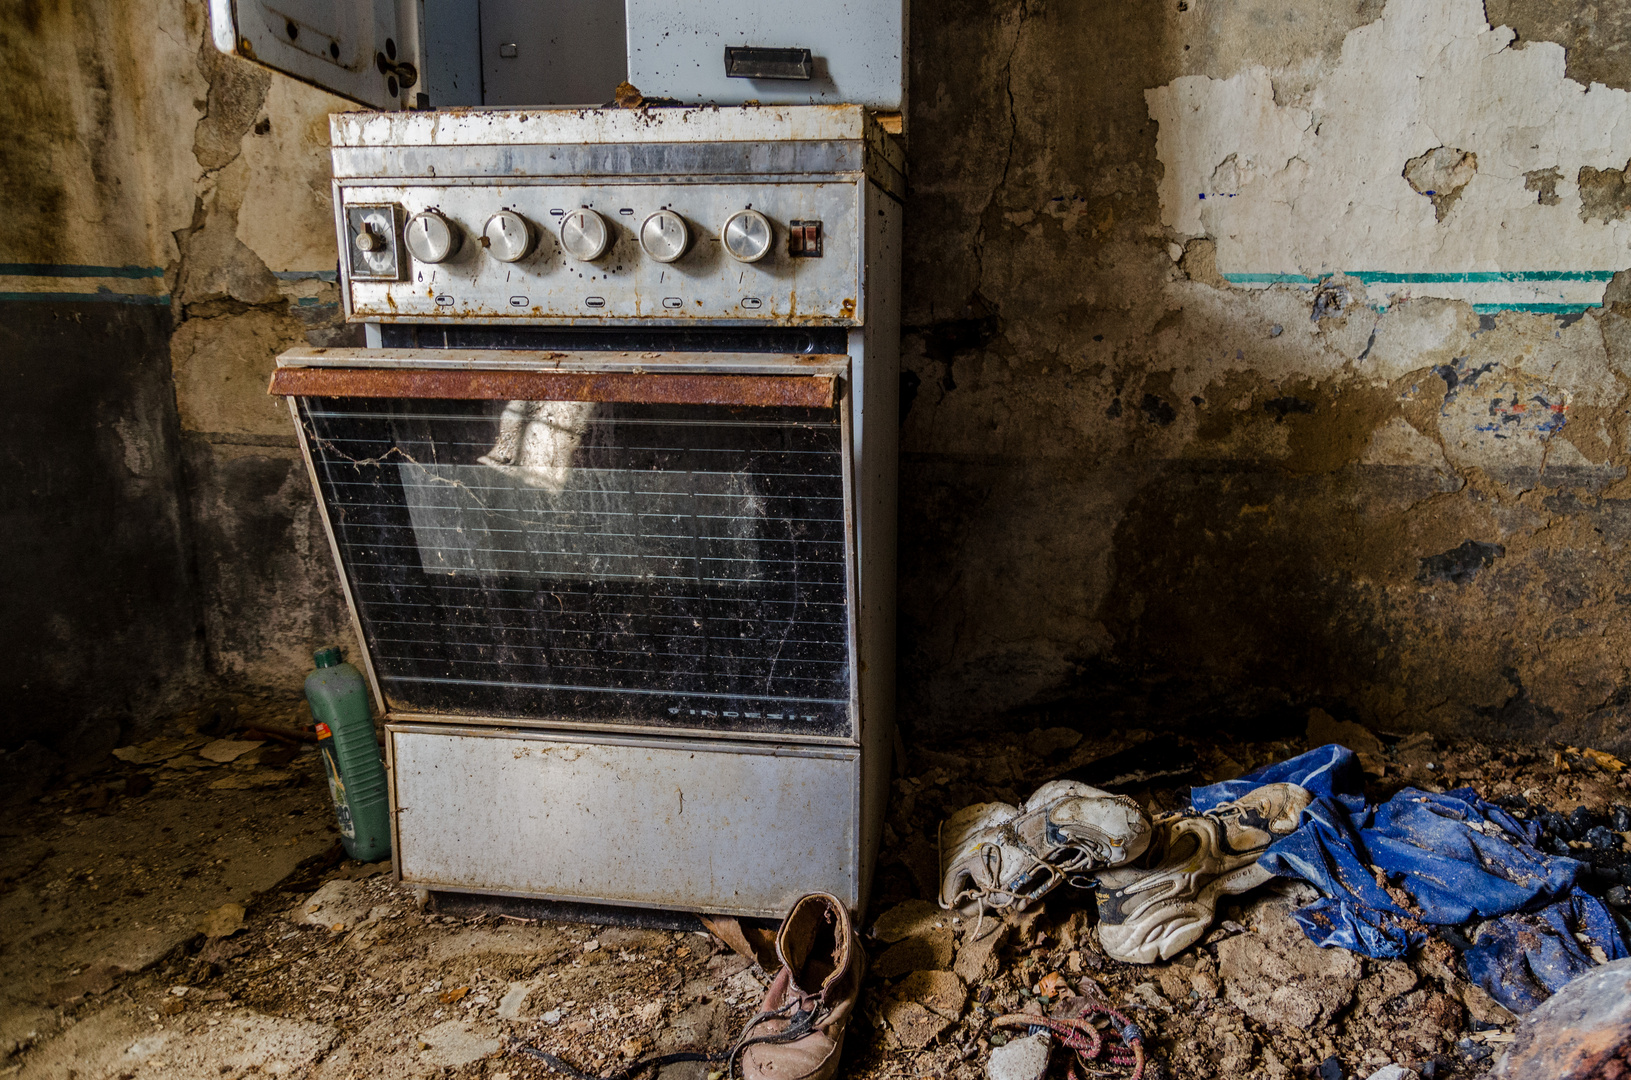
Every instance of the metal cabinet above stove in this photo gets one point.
(525, 53)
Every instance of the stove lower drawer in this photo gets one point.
(741, 829)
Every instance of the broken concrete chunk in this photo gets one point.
(906, 919)
(1281, 979)
(1394, 1072)
(1174, 982)
(1022, 1059)
(1324, 728)
(338, 904)
(914, 1027)
(454, 1043)
(1482, 1007)
(1151, 995)
(926, 951)
(704, 1024)
(225, 750)
(247, 1042)
(223, 921)
(939, 991)
(154, 751)
(977, 957)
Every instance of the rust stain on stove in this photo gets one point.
(806, 391)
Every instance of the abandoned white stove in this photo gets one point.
(612, 493)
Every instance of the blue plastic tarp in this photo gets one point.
(1386, 873)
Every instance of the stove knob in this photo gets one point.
(584, 235)
(664, 236)
(508, 236)
(431, 237)
(746, 236)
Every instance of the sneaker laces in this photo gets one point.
(1059, 866)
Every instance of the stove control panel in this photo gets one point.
(583, 253)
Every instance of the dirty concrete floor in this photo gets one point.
(109, 874)
(336, 970)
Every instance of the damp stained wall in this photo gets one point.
(165, 236)
(1349, 431)
(1268, 354)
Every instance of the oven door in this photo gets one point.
(653, 543)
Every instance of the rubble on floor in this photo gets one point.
(336, 971)
(1255, 998)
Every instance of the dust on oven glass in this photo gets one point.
(656, 545)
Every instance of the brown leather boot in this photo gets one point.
(799, 1030)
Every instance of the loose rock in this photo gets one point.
(1580, 1033)
(1022, 1059)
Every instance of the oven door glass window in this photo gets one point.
(655, 566)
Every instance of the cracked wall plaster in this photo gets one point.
(1595, 30)
(1316, 188)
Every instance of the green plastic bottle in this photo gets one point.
(345, 739)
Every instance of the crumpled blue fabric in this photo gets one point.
(1524, 959)
(1328, 771)
(1445, 859)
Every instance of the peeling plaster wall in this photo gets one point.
(1350, 431)
(1213, 460)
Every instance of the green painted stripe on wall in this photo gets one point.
(1539, 309)
(1481, 276)
(1462, 278)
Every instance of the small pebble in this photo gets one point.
(1602, 839)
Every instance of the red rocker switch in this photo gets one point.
(804, 239)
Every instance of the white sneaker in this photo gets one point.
(1156, 908)
(993, 855)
